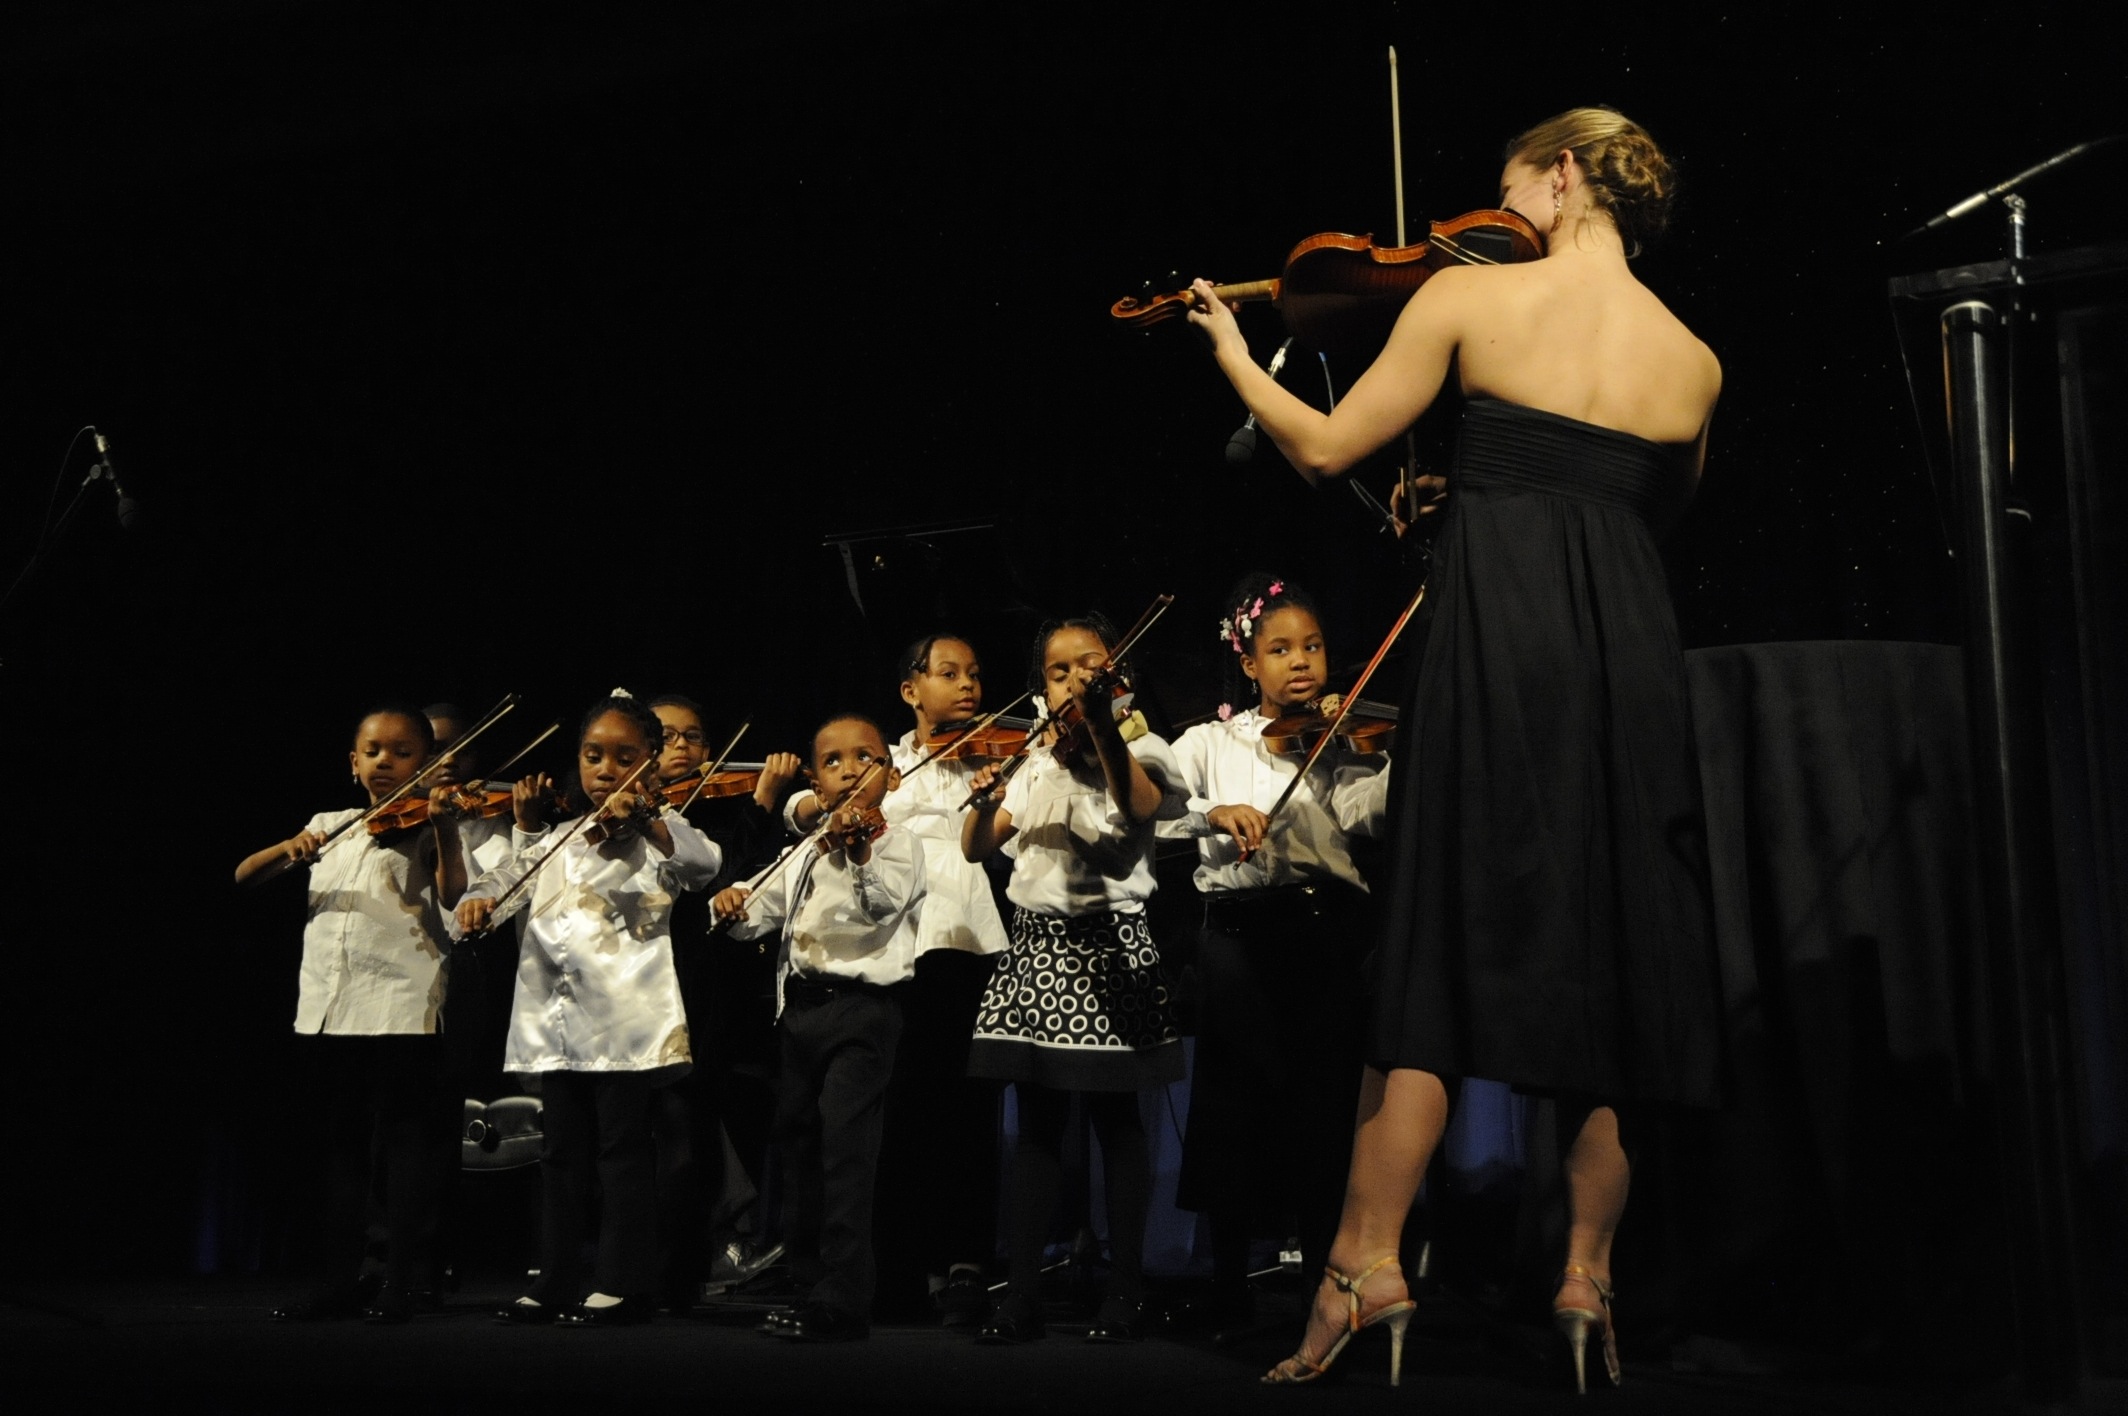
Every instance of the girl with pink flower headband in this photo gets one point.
(1286, 921)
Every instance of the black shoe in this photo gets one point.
(963, 1302)
(628, 1312)
(1121, 1320)
(817, 1322)
(776, 1322)
(338, 1300)
(394, 1304)
(1018, 1319)
(740, 1264)
(526, 1312)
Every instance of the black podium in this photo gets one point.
(2019, 370)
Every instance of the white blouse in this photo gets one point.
(596, 991)
(1072, 851)
(958, 911)
(1226, 764)
(373, 949)
(842, 920)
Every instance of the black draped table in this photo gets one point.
(1844, 1189)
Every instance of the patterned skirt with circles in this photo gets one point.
(1079, 1005)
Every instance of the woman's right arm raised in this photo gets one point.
(1387, 399)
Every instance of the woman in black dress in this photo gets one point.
(1545, 923)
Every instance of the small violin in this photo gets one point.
(865, 826)
(1074, 736)
(1341, 294)
(992, 742)
(471, 802)
(696, 786)
(1370, 727)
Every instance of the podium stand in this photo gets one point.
(2019, 370)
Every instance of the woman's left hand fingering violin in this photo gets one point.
(1341, 294)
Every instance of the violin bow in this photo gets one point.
(649, 759)
(1146, 621)
(1409, 472)
(716, 766)
(1137, 631)
(967, 735)
(495, 715)
(1351, 699)
(523, 752)
(1005, 776)
(775, 867)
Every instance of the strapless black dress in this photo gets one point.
(1546, 919)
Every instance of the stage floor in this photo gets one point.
(207, 1345)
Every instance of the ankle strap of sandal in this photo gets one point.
(1602, 1287)
(1353, 1285)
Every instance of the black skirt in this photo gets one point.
(1078, 1004)
(1545, 920)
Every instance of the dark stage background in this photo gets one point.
(457, 352)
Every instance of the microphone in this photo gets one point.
(128, 508)
(2003, 189)
(1241, 448)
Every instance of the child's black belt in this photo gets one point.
(810, 990)
(1254, 911)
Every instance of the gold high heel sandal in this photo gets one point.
(1302, 1368)
(1576, 1322)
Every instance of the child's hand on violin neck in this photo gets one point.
(527, 799)
(777, 773)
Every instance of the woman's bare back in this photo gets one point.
(1574, 338)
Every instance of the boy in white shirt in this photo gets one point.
(846, 911)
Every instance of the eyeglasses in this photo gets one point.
(692, 737)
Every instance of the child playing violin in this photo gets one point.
(370, 992)
(1286, 920)
(1077, 1004)
(945, 1121)
(700, 1191)
(845, 909)
(597, 1012)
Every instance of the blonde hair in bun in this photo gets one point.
(1628, 177)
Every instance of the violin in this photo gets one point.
(1370, 727)
(985, 742)
(704, 785)
(1341, 294)
(472, 802)
(865, 826)
(681, 794)
(1074, 735)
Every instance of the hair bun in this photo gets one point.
(1628, 176)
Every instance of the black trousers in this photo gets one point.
(1277, 1069)
(389, 1113)
(941, 1156)
(838, 1044)
(597, 1149)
